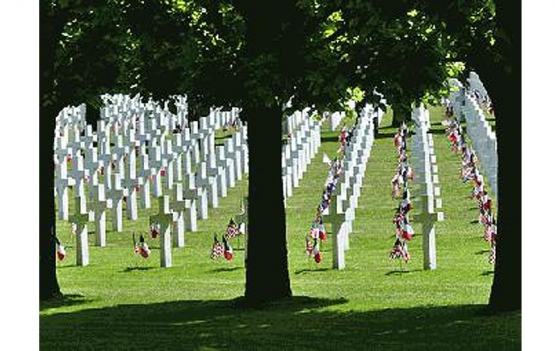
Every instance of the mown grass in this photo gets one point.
(123, 302)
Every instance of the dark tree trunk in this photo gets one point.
(503, 80)
(401, 113)
(267, 277)
(50, 29)
(506, 94)
(506, 289)
(49, 287)
(92, 115)
(268, 50)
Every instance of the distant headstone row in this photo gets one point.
(342, 189)
(427, 178)
(477, 88)
(139, 151)
(301, 147)
(334, 118)
(482, 137)
(403, 174)
(293, 121)
(344, 201)
(470, 172)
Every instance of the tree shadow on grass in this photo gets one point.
(131, 269)
(436, 131)
(225, 269)
(398, 272)
(301, 323)
(436, 124)
(65, 300)
(403, 270)
(382, 135)
(311, 270)
(327, 139)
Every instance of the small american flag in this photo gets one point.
(492, 253)
(154, 230)
(405, 252)
(60, 250)
(314, 230)
(217, 249)
(396, 251)
(316, 251)
(321, 231)
(228, 250)
(488, 232)
(400, 250)
(309, 246)
(232, 230)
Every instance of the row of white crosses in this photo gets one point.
(217, 172)
(164, 153)
(70, 121)
(162, 157)
(344, 200)
(482, 137)
(302, 145)
(426, 178)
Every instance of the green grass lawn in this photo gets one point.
(122, 302)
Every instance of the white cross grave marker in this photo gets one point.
(80, 219)
(116, 194)
(164, 218)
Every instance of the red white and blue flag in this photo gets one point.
(154, 230)
(141, 248)
(232, 230)
(217, 249)
(316, 251)
(60, 250)
(228, 250)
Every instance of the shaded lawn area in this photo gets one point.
(301, 324)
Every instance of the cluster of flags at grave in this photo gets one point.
(234, 230)
(141, 247)
(317, 231)
(221, 249)
(403, 173)
(470, 172)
